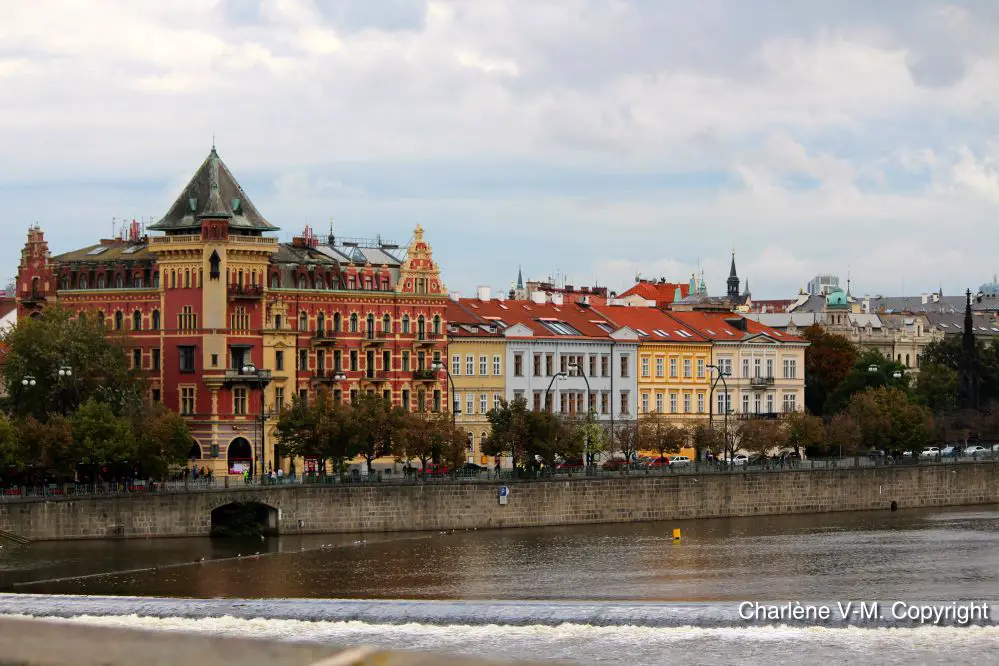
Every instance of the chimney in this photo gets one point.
(556, 298)
(483, 293)
(924, 298)
(538, 297)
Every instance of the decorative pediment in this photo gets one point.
(625, 333)
(518, 331)
(419, 273)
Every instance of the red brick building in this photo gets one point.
(228, 323)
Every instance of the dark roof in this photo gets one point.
(212, 192)
(113, 252)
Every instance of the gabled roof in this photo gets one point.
(663, 293)
(212, 193)
(726, 327)
(651, 324)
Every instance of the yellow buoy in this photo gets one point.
(676, 534)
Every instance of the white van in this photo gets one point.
(679, 461)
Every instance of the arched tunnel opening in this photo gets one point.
(244, 519)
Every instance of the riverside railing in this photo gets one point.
(49, 492)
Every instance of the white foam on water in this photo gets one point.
(635, 646)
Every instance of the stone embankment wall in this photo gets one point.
(461, 505)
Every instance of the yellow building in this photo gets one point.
(477, 372)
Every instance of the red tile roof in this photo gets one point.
(716, 326)
(532, 315)
(663, 293)
(652, 324)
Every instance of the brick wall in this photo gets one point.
(439, 506)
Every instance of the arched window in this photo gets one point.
(64, 282)
(136, 321)
(156, 279)
(240, 277)
(303, 321)
(187, 278)
(336, 322)
(437, 324)
(100, 319)
(387, 324)
(369, 323)
(302, 282)
(100, 281)
(239, 451)
(119, 281)
(275, 281)
(119, 320)
(405, 324)
(421, 326)
(907, 360)
(195, 452)
(320, 283)
(82, 284)
(353, 323)
(156, 320)
(320, 322)
(173, 279)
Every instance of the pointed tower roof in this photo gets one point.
(731, 271)
(213, 192)
(520, 278)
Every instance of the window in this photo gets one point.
(605, 402)
(659, 366)
(496, 400)
(770, 403)
(187, 400)
(156, 320)
(279, 359)
(456, 365)
(405, 399)
(469, 404)
(624, 403)
(789, 402)
(386, 361)
(279, 398)
(303, 359)
(187, 320)
(537, 401)
(240, 320)
(756, 367)
(645, 403)
(624, 365)
(686, 368)
(672, 367)
(645, 368)
(353, 360)
(483, 365)
(119, 320)
(700, 368)
(100, 281)
(156, 395)
(497, 363)
(119, 281)
(725, 365)
(604, 365)
(136, 358)
(745, 367)
(770, 367)
(405, 361)
(537, 365)
(700, 403)
(549, 365)
(386, 324)
(155, 357)
(456, 399)
(353, 322)
(470, 365)
(437, 400)
(593, 365)
(337, 360)
(756, 403)
(137, 281)
(686, 403)
(518, 365)
(239, 401)
(672, 403)
(405, 324)
(659, 403)
(186, 358)
(790, 369)
(369, 325)
(437, 324)
(724, 402)
(136, 321)
(483, 403)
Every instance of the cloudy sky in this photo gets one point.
(593, 138)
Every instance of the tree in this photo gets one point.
(38, 348)
(510, 431)
(551, 438)
(319, 428)
(162, 440)
(861, 378)
(843, 436)
(454, 444)
(375, 426)
(625, 437)
(761, 436)
(657, 433)
(804, 431)
(707, 439)
(889, 421)
(429, 436)
(47, 446)
(13, 455)
(593, 434)
(936, 387)
(828, 360)
(99, 436)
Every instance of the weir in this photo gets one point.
(301, 509)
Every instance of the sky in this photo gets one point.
(596, 140)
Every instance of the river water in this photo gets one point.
(603, 594)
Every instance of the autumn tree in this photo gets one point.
(162, 440)
(374, 427)
(319, 428)
(889, 421)
(761, 436)
(706, 439)
(872, 370)
(659, 434)
(843, 436)
(828, 360)
(625, 439)
(510, 432)
(804, 431)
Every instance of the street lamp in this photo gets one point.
(28, 380)
(65, 371)
(557, 375)
(578, 367)
(250, 369)
(437, 366)
(711, 401)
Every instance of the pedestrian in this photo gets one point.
(280, 475)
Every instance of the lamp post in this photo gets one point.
(259, 381)
(578, 367)
(437, 366)
(711, 401)
(557, 375)
(29, 380)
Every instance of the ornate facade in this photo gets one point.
(228, 323)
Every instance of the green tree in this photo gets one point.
(861, 378)
(47, 446)
(593, 434)
(99, 436)
(13, 453)
(625, 436)
(657, 433)
(162, 440)
(37, 348)
(318, 428)
(804, 431)
(374, 428)
(510, 432)
(843, 437)
(889, 421)
(707, 439)
(828, 360)
(551, 437)
(936, 387)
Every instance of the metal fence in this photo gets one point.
(51, 492)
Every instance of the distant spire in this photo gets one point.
(733, 279)
(968, 377)
(520, 278)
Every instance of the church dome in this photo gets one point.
(836, 299)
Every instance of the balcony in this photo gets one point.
(33, 298)
(328, 376)
(243, 291)
(425, 375)
(375, 376)
(748, 416)
(429, 339)
(761, 382)
(323, 338)
(256, 378)
(375, 337)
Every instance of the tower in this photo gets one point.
(967, 372)
(733, 280)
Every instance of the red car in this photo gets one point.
(569, 466)
(659, 463)
(434, 469)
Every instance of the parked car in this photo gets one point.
(974, 450)
(434, 469)
(679, 461)
(740, 459)
(471, 469)
(907, 454)
(659, 463)
(615, 464)
(949, 452)
(569, 466)
(930, 452)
